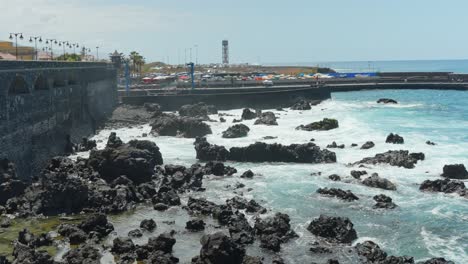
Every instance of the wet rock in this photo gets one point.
(394, 139)
(122, 245)
(195, 225)
(316, 249)
(273, 231)
(334, 177)
(237, 202)
(218, 169)
(267, 118)
(269, 137)
(166, 196)
(301, 105)
(135, 160)
(200, 206)
(113, 141)
(252, 260)
(172, 125)
(97, 223)
(399, 158)
(383, 202)
(24, 254)
(247, 174)
(148, 225)
(253, 207)
(86, 144)
(371, 252)
(152, 107)
(219, 248)
(455, 171)
(368, 145)
(338, 193)
(398, 260)
(325, 124)
(236, 120)
(74, 234)
(445, 186)
(164, 242)
(333, 229)
(436, 261)
(222, 120)
(206, 151)
(301, 153)
(5, 223)
(160, 207)
(334, 145)
(386, 101)
(240, 230)
(247, 114)
(357, 174)
(135, 233)
(10, 185)
(277, 260)
(200, 110)
(85, 254)
(354, 145)
(430, 143)
(236, 131)
(377, 182)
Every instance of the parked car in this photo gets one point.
(267, 83)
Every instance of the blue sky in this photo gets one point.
(258, 30)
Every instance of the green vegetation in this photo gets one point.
(68, 57)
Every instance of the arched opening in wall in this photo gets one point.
(41, 83)
(59, 81)
(18, 86)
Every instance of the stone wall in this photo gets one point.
(43, 102)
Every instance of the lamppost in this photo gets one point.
(46, 49)
(196, 54)
(63, 43)
(51, 41)
(35, 43)
(84, 50)
(97, 53)
(16, 41)
(75, 45)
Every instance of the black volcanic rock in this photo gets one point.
(399, 158)
(172, 125)
(333, 229)
(334, 177)
(455, 171)
(383, 202)
(357, 174)
(247, 114)
(436, 261)
(84, 254)
(334, 145)
(377, 182)
(219, 248)
(148, 224)
(206, 151)
(394, 139)
(200, 110)
(300, 153)
(136, 160)
(386, 101)
(247, 174)
(236, 131)
(195, 225)
(368, 145)
(273, 231)
(97, 223)
(301, 105)
(445, 186)
(338, 193)
(325, 124)
(10, 185)
(266, 118)
(371, 252)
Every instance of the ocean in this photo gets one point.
(424, 225)
(456, 66)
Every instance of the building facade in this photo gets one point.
(24, 53)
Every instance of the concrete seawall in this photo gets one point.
(43, 102)
(225, 99)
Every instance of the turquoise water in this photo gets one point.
(424, 225)
(457, 66)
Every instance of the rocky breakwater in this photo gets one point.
(399, 158)
(262, 152)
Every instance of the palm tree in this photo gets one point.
(134, 57)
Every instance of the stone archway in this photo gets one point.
(41, 83)
(18, 86)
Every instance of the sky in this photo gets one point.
(259, 31)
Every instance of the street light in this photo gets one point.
(51, 41)
(75, 45)
(63, 43)
(35, 43)
(196, 54)
(97, 53)
(16, 41)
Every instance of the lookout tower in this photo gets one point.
(225, 52)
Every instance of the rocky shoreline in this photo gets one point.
(123, 176)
